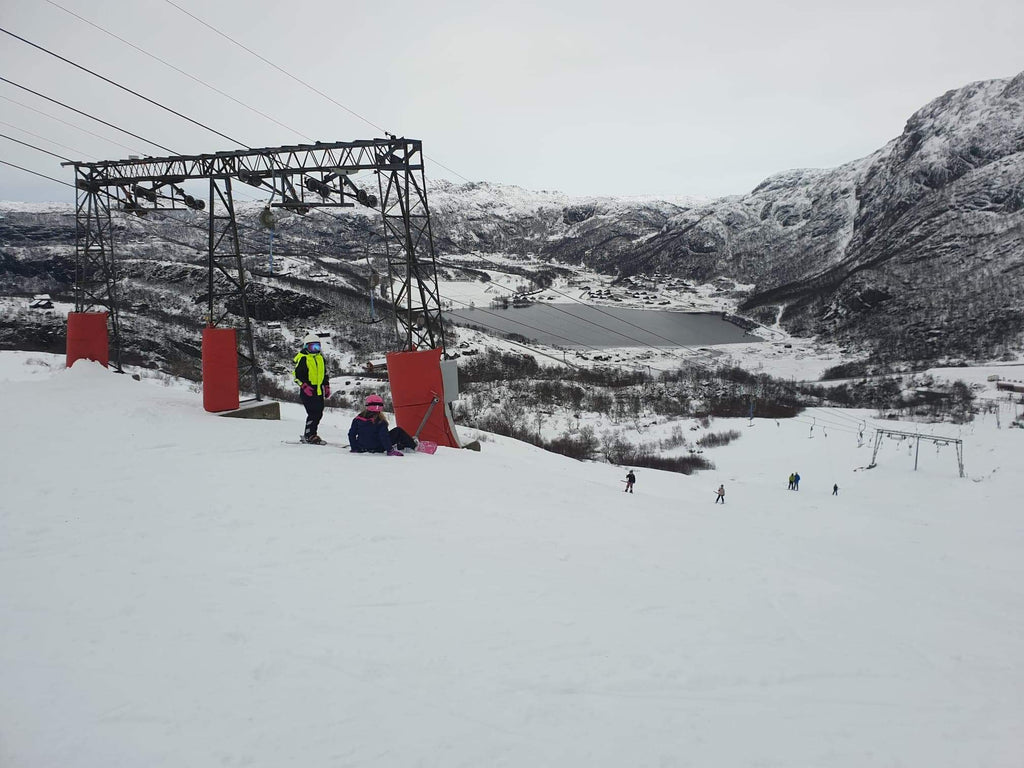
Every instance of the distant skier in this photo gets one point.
(796, 481)
(720, 494)
(835, 489)
(314, 386)
(630, 479)
(792, 481)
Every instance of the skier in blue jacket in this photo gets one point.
(369, 431)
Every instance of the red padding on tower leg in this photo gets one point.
(220, 370)
(415, 378)
(87, 338)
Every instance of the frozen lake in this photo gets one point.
(582, 325)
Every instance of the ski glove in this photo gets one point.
(307, 390)
(327, 390)
(393, 452)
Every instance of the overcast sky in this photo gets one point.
(587, 97)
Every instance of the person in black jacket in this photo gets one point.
(314, 386)
(630, 479)
(369, 432)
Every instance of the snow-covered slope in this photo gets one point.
(182, 589)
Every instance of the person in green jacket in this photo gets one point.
(314, 386)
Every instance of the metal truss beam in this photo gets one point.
(348, 157)
(226, 280)
(95, 286)
(409, 245)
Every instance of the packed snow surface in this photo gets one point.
(180, 589)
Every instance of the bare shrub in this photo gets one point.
(685, 465)
(715, 439)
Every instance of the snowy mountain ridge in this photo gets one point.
(880, 250)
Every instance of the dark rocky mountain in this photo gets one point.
(914, 252)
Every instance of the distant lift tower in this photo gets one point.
(301, 178)
(917, 437)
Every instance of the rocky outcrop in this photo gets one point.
(916, 251)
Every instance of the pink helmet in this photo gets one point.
(374, 403)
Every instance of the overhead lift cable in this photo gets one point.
(301, 82)
(163, 214)
(49, 141)
(180, 71)
(125, 88)
(141, 96)
(33, 146)
(36, 173)
(86, 114)
(71, 125)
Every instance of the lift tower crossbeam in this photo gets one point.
(300, 177)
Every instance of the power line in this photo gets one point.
(124, 88)
(33, 146)
(151, 101)
(275, 66)
(301, 81)
(177, 69)
(242, 228)
(180, 71)
(86, 114)
(36, 173)
(71, 125)
(844, 430)
(51, 141)
(157, 212)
